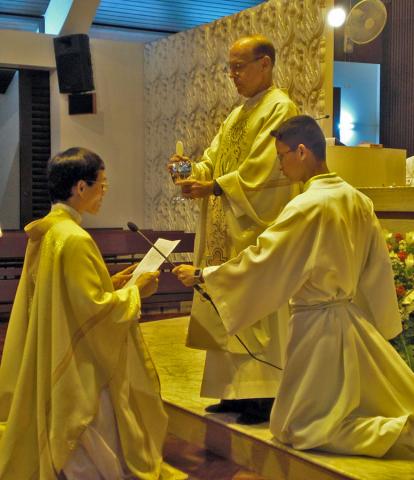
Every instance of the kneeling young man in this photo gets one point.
(344, 388)
(79, 396)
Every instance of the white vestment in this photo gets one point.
(242, 159)
(99, 452)
(344, 388)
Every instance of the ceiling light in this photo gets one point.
(336, 17)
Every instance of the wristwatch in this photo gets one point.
(217, 190)
(198, 276)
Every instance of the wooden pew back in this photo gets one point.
(119, 249)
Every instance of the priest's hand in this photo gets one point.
(191, 188)
(147, 284)
(121, 278)
(185, 273)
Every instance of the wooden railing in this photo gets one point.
(119, 249)
(394, 207)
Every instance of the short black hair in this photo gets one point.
(66, 168)
(302, 129)
(264, 47)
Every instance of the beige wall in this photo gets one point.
(116, 132)
(26, 49)
(9, 156)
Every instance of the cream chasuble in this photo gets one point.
(242, 158)
(71, 337)
(344, 388)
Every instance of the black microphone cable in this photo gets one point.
(207, 297)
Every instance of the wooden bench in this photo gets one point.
(119, 248)
(12, 249)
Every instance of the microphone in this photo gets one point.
(134, 228)
(322, 117)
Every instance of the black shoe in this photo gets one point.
(251, 419)
(227, 406)
(257, 411)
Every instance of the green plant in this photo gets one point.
(401, 250)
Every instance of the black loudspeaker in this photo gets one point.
(73, 63)
(81, 103)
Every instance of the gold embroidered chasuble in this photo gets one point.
(71, 335)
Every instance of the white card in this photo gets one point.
(153, 260)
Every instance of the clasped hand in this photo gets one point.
(147, 283)
(195, 188)
(122, 277)
(185, 273)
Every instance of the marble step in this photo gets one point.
(222, 437)
(200, 464)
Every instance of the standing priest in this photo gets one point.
(344, 388)
(242, 192)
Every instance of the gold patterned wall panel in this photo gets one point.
(188, 94)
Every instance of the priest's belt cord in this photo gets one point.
(206, 296)
(321, 306)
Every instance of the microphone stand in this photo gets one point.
(322, 117)
(134, 228)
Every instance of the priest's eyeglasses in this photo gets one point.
(239, 67)
(104, 185)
